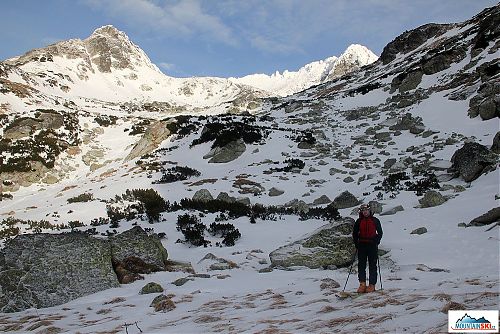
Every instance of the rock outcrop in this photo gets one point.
(410, 40)
(151, 139)
(490, 217)
(44, 270)
(471, 161)
(227, 153)
(135, 252)
(431, 198)
(345, 200)
(330, 245)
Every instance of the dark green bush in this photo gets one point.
(192, 229)
(226, 231)
(177, 173)
(85, 197)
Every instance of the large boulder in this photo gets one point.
(432, 198)
(151, 139)
(345, 200)
(227, 153)
(330, 245)
(471, 161)
(490, 217)
(135, 252)
(43, 270)
(487, 102)
(203, 195)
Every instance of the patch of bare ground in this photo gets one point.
(12, 327)
(335, 322)
(314, 301)
(273, 330)
(27, 318)
(380, 319)
(453, 306)
(100, 321)
(442, 297)
(38, 324)
(115, 300)
(279, 322)
(387, 301)
(279, 301)
(50, 330)
(215, 305)
(202, 182)
(481, 296)
(115, 330)
(245, 305)
(206, 318)
(185, 299)
(327, 309)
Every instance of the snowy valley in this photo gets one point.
(242, 192)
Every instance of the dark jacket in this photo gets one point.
(355, 232)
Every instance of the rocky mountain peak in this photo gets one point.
(354, 57)
(111, 48)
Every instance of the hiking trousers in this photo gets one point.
(367, 251)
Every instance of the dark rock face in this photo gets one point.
(471, 161)
(495, 148)
(489, 29)
(410, 40)
(43, 270)
(489, 217)
(487, 101)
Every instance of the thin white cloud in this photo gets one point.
(185, 17)
(281, 26)
(167, 66)
(272, 46)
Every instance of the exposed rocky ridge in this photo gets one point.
(106, 48)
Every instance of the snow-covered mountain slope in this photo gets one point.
(381, 134)
(107, 66)
(290, 82)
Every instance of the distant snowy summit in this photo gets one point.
(108, 67)
(289, 82)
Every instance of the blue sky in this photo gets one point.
(227, 37)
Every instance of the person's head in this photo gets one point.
(364, 210)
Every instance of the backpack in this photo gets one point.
(367, 230)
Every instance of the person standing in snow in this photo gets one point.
(366, 235)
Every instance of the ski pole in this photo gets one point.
(353, 259)
(379, 272)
